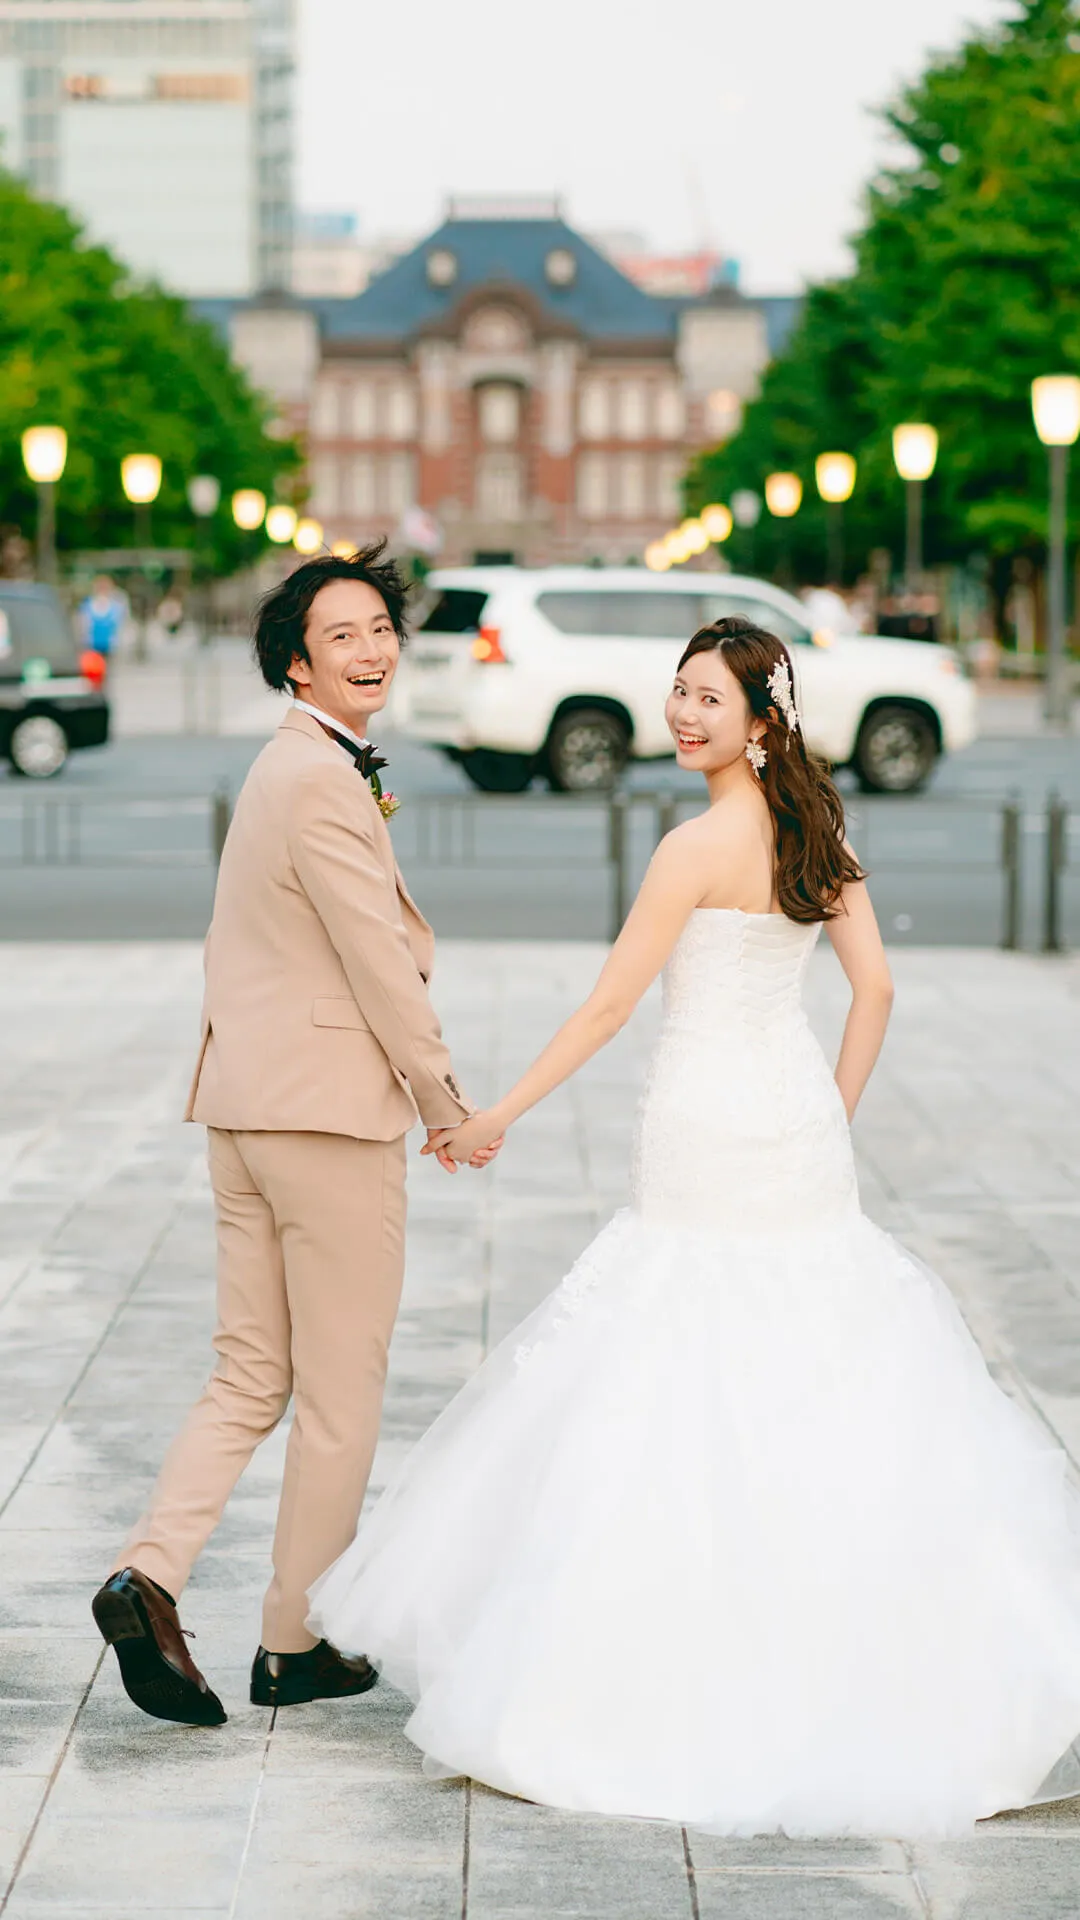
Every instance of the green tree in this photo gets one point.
(966, 286)
(125, 368)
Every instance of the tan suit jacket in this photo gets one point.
(316, 1016)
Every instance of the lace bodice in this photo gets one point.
(740, 1115)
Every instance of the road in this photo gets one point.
(496, 868)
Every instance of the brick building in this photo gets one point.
(506, 378)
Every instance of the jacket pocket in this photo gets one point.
(338, 1013)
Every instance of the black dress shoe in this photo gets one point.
(288, 1679)
(138, 1618)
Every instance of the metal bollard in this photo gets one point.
(1010, 861)
(220, 816)
(618, 851)
(1054, 846)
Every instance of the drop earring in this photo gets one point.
(755, 753)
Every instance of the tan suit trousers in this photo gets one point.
(311, 1239)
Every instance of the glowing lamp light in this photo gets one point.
(1055, 403)
(694, 537)
(249, 508)
(44, 452)
(915, 448)
(308, 537)
(140, 476)
(835, 476)
(676, 547)
(203, 493)
(717, 522)
(783, 494)
(343, 549)
(281, 525)
(657, 557)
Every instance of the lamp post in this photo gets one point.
(204, 496)
(44, 452)
(835, 476)
(140, 477)
(915, 448)
(1055, 403)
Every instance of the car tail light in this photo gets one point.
(487, 648)
(93, 666)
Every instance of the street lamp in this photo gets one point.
(204, 493)
(717, 522)
(694, 537)
(204, 497)
(783, 494)
(915, 449)
(281, 524)
(44, 452)
(1055, 403)
(746, 508)
(249, 509)
(835, 476)
(140, 476)
(308, 537)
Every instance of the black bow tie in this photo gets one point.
(366, 757)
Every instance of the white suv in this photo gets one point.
(565, 672)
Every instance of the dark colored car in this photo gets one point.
(51, 695)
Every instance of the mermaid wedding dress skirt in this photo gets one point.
(735, 1530)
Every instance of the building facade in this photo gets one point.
(166, 126)
(506, 378)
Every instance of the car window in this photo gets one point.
(457, 610)
(639, 616)
(721, 606)
(38, 629)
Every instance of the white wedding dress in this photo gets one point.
(735, 1530)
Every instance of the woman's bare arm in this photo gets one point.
(669, 892)
(857, 941)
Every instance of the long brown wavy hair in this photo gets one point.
(813, 863)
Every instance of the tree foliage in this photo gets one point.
(125, 368)
(966, 286)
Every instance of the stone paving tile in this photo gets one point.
(969, 1143)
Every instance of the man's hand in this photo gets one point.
(475, 1142)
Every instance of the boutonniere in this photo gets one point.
(369, 764)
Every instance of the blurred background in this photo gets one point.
(608, 331)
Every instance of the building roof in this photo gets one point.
(600, 301)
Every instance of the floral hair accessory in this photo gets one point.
(780, 688)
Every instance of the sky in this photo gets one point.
(746, 125)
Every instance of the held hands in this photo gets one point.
(475, 1143)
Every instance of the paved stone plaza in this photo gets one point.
(969, 1143)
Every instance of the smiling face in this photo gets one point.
(708, 715)
(353, 651)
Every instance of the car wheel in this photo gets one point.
(497, 772)
(587, 750)
(38, 746)
(896, 751)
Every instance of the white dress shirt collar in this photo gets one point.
(326, 720)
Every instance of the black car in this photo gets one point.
(51, 697)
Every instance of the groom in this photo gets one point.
(319, 1044)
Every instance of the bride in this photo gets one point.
(735, 1530)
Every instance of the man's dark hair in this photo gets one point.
(282, 613)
